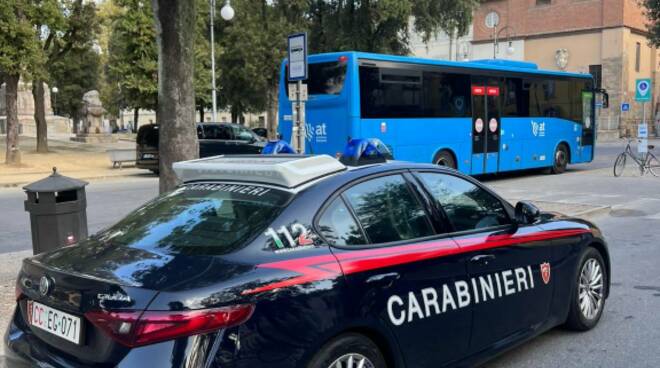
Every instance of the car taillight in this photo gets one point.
(143, 328)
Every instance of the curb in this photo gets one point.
(93, 177)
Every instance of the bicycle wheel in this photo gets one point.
(653, 165)
(620, 164)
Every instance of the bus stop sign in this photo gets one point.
(297, 49)
(643, 90)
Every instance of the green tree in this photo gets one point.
(202, 76)
(133, 56)
(74, 74)
(653, 14)
(63, 26)
(109, 89)
(384, 26)
(253, 46)
(19, 50)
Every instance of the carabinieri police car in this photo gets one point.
(304, 261)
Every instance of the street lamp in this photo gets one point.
(496, 45)
(54, 90)
(227, 13)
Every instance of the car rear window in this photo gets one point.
(148, 135)
(200, 218)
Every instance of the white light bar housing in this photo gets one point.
(280, 170)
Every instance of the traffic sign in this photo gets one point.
(625, 107)
(643, 90)
(297, 48)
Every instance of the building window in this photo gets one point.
(597, 72)
(543, 2)
(638, 50)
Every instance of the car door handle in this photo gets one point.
(387, 279)
(482, 259)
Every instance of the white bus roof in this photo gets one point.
(287, 171)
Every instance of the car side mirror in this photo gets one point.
(527, 213)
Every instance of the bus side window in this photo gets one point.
(516, 98)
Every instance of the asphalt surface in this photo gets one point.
(629, 332)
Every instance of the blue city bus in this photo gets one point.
(480, 117)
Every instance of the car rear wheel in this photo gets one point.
(588, 298)
(349, 350)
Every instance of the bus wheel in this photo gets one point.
(445, 158)
(560, 160)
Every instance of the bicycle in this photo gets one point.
(646, 162)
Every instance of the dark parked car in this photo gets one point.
(214, 139)
(290, 261)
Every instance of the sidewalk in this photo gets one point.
(78, 160)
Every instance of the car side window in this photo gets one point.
(387, 210)
(244, 134)
(338, 226)
(467, 206)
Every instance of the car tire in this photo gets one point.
(580, 318)
(445, 158)
(560, 159)
(347, 346)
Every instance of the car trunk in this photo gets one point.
(112, 278)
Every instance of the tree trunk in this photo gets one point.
(201, 115)
(271, 112)
(136, 116)
(40, 116)
(13, 154)
(175, 25)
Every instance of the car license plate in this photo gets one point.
(56, 322)
(148, 155)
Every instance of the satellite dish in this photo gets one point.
(492, 19)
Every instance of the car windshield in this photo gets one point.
(218, 218)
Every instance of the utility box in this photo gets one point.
(58, 212)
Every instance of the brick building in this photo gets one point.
(607, 38)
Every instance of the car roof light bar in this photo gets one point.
(287, 171)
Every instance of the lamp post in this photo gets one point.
(496, 45)
(227, 13)
(54, 90)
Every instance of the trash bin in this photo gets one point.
(58, 212)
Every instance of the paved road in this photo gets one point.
(629, 333)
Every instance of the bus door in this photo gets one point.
(588, 126)
(485, 125)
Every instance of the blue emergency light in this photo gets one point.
(365, 151)
(278, 147)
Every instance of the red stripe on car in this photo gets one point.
(316, 268)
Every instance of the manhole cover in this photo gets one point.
(627, 213)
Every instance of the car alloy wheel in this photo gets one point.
(352, 360)
(591, 289)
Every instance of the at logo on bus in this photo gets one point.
(538, 129)
(318, 131)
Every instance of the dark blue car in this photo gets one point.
(301, 261)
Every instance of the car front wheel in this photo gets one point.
(588, 298)
(349, 350)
